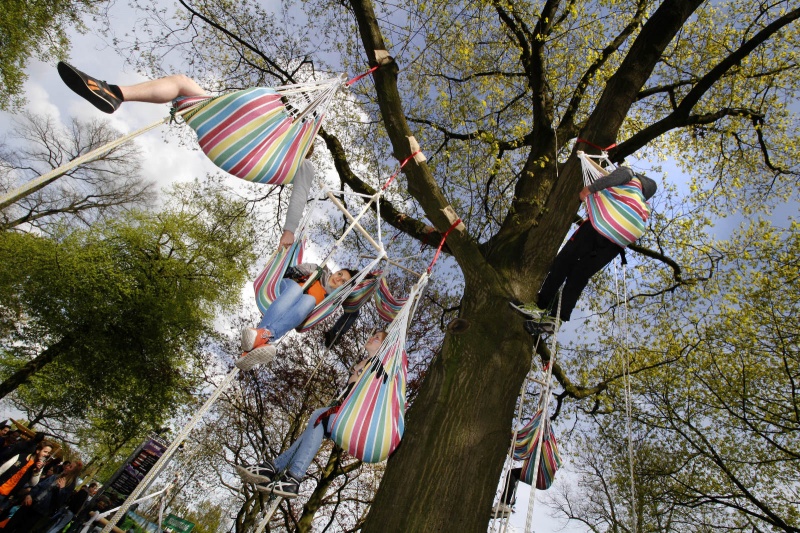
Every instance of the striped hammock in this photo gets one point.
(371, 419)
(525, 448)
(261, 134)
(618, 213)
(267, 284)
(387, 305)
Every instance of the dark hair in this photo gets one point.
(353, 273)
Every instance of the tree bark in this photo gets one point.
(31, 367)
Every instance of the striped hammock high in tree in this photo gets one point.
(618, 213)
(260, 134)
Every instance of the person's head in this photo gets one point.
(373, 344)
(4, 430)
(43, 451)
(71, 471)
(340, 277)
(93, 488)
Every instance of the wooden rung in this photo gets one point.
(353, 221)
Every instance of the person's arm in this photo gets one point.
(620, 176)
(301, 187)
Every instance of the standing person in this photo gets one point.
(5, 429)
(43, 501)
(73, 506)
(288, 311)
(294, 462)
(584, 255)
(23, 468)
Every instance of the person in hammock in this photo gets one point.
(108, 97)
(584, 255)
(288, 311)
(283, 475)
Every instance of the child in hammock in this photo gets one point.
(584, 255)
(108, 97)
(288, 311)
(294, 462)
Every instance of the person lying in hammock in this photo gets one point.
(288, 311)
(108, 97)
(283, 475)
(584, 255)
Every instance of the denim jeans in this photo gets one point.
(63, 519)
(300, 454)
(289, 309)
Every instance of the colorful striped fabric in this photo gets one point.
(371, 419)
(387, 305)
(525, 448)
(361, 293)
(250, 134)
(619, 213)
(267, 284)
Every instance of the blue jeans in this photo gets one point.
(300, 454)
(63, 519)
(289, 309)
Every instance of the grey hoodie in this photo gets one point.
(621, 176)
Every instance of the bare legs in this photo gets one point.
(162, 90)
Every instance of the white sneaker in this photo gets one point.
(260, 356)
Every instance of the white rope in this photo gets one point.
(544, 423)
(45, 179)
(170, 451)
(100, 516)
(268, 514)
(627, 387)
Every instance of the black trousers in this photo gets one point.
(584, 255)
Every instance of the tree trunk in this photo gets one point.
(34, 365)
(458, 427)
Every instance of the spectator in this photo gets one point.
(45, 498)
(74, 505)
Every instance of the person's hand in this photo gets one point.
(584, 193)
(286, 239)
(28, 501)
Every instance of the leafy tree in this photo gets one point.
(102, 326)
(497, 93)
(34, 28)
(102, 188)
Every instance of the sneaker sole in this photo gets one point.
(260, 356)
(539, 328)
(76, 80)
(249, 477)
(524, 312)
(278, 492)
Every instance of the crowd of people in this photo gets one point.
(39, 491)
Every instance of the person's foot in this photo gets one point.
(260, 473)
(544, 326)
(97, 92)
(531, 311)
(287, 486)
(252, 338)
(259, 356)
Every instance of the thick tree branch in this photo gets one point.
(679, 117)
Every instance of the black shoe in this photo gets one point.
(260, 473)
(535, 327)
(97, 92)
(287, 486)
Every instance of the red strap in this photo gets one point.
(367, 73)
(441, 244)
(606, 149)
(330, 412)
(406, 160)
